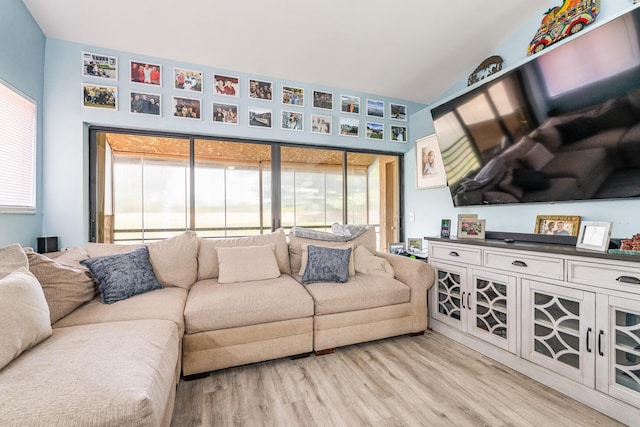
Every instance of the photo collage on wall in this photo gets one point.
(100, 90)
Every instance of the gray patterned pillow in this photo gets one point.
(327, 265)
(123, 275)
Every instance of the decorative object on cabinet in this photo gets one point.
(558, 225)
(146, 73)
(629, 246)
(489, 66)
(594, 236)
(99, 65)
(445, 228)
(226, 85)
(189, 80)
(105, 97)
(414, 245)
(429, 166)
(472, 229)
(396, 248)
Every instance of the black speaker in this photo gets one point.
(47, 244)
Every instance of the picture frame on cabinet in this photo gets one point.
(396, 248)
(321, 124)
(374, 131)
(145, 73)
(259, 89)
(226, 85)
(349, 127)
(560, 225)
(375, 108)
(100, 66)
(225, 113)
(430, 171)
(350, 104)
(145, 103)
(186, 108)
(260, 117)
(292, 120)
(188, 80)
(100, 96)
(398, 112)
(594, 236)
(322, 100)
(398, 133)
(293, 96)
(414, 245)
(472, 229)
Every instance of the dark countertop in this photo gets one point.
(561, 249)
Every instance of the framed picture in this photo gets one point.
(144, 103)
(293, 96)
(99, 96)
(445, 228)
(186, 108)
(594, 236)
(399, 133)
(375, 108)
(349, 127)
(98, 65)
(375, 131)
(430, 171)
(471, 229)
(321, 124)
(414, 245)
(396, 248)
(226, 85)
(225, 113)
(260, 117)
(465, 217)
(398, 112)
(260, 90)
(561, 225)
(292, 120)
(350, 104)
(187, 80)
(146, 73)
(323, 100)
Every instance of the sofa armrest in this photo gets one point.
(416, 274)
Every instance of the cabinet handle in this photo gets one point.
(468, 300)
(519, 263)
(629, 279)
(454, 253)
(600, 334)
(463, 300)
(588, 339)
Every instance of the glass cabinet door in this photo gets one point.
(450, 297)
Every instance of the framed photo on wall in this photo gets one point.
(321, 124)
(146, 73)
(375, 108)
(398, 112)
(186, 108)
(350, 104)
(375, 131)
(99, 65)
(144, 103)
(226, 85)
(292, 120)
(100, 96)
(429, 165)
(349, 127)
(259, 89)
(189, 80)
(293, 96)
(225, 113)
(260, 117)
(398, 133)
(322, 100)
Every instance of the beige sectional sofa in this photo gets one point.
(222, 304)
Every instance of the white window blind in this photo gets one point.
(17, 151)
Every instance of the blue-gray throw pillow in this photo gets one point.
(327, 265)
(123, 275)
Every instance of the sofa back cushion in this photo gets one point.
(366, 239)
(12, 257)
(208, 263)
(24, 315)
(247, 263)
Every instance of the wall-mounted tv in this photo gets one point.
(564, 125)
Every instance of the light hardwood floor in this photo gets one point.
(427, 380)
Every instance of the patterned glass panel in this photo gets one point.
(449, 294)
(556, 331)
(627, 347)
(491, 307)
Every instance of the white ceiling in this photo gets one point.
(408, 49)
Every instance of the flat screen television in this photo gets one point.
(564, 125)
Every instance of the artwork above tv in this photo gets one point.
(563, 126)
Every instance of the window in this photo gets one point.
(17, 151)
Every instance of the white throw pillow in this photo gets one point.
(368, 263)
(305, 256)
(24, 315)
(247, 263)
(12, 257)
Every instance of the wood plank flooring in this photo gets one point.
(427, 380)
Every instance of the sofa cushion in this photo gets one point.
(12, 257)
(175, 260)
(368, 263)
(366, 239)
(163, 304)
(71, 257)
(212, 306)
(247, 263)
(208, 265)
(359, 293)
(65, 288)
(124, 275)
(327, 265)
(24, 316)
(537, 157)
(305, 256)
(109, 374)
(103, 249)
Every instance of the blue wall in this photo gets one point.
(22, 47)
(432, 205)
(66, 121)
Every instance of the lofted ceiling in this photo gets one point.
(408, 49)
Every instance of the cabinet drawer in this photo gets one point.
(602, 274)
(552, 268)
(461, 254)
